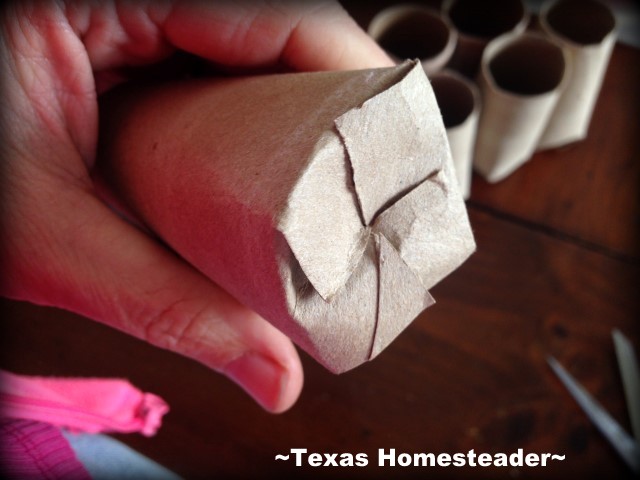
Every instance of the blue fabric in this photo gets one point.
(106, 458)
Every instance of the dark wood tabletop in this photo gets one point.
(557, 268)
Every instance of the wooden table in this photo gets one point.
(557, 268)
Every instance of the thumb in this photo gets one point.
(69, 250)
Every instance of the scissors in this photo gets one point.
(626, 445)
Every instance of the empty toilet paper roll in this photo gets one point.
(521, 78)
(412, 31)
(477, 23)
(586, 30)
(459, 102)
(326, 201)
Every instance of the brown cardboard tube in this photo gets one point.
(326, 201)
(477, 23)
(459, 102)
(412, 31)
(586, 30)
(521, 79)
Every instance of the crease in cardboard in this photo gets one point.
(351, 184)
(379, 275)
(410, 297)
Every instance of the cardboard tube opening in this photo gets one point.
(411, 33)
(454, 98)
(528, 66)
(486, 19)
(585, 22)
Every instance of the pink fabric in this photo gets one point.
(34, 450)
(81, 405)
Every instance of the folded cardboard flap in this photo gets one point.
(325, 201)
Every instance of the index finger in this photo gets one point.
(306, 36)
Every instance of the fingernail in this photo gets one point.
(261, 377)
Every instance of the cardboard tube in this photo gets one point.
(586, 30)
(477, 23)
(521, 78)
(459, 102)
(326, 201)
(412, 31)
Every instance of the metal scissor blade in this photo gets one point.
(630, 373)
(624, 444)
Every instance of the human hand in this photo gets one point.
(61, 245)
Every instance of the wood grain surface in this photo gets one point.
(557, 267)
